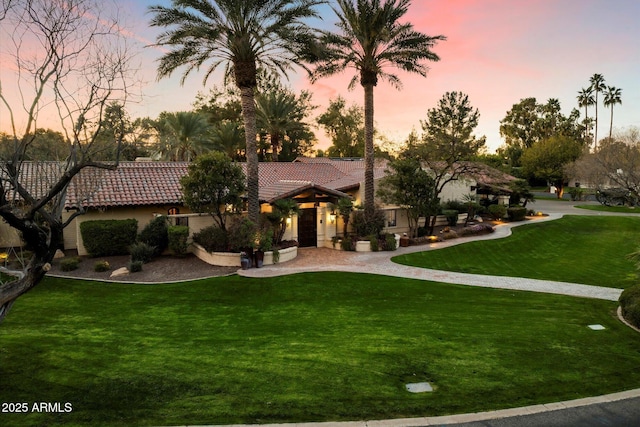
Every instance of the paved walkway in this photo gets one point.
(323, 259)
(320, 259)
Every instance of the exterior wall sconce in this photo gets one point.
(332, 217)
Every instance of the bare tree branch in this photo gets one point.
(71, 61)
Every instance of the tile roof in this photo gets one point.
(36, 177)
(131, 184)
(158, 183)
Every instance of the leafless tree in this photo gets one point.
(614, 164)
(69, 61)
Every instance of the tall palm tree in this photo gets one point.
(597, 85)
(612, 96)
(242, 36)
(371, 39)
(183, 135)
(585, 99)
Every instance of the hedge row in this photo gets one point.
(109, 237)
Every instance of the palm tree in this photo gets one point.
(371, 39)
(597, 85)
(279, 113)
(612, 97)
(228, 136)
(585, 99)
(242, 36)
(183, 135)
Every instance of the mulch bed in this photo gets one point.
(161, 269)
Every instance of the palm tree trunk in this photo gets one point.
(369, 203)
(595, 137)
(275, 143)
(611, 123)
(249, 118)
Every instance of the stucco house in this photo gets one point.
(145, 189)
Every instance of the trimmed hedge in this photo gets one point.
(212, 239)
(497, 212)
(630, 303)
(178, 235)
(517, 213)
(109, 237)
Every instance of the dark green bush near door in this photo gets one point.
(109, 237)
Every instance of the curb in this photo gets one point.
(457, 419)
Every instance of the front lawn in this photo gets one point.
(577, 249)
(312, 347)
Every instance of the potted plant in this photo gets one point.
(265, 244)
(245, 262)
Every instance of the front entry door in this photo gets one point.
(307, 228)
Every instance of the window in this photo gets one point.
(391, 218)
(178, 220)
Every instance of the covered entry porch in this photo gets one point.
(316, 222)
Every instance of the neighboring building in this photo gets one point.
(144, 189)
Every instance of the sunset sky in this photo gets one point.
(497, 52)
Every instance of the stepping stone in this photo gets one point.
(419, 387)
(596, 327)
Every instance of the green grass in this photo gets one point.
(617, 209)
(578, 249)
(313, 347)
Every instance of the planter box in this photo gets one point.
(221, 259)
(231, 259)
(361, 245)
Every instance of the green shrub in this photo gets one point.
(178, 235)
(212, 239)
(69, 264)
(108, 237)
(576, 193)
(390, 243)
(452, 216)
(242, 235)
(155, 234)
(454, 205)
(517, 213)
(367, 226)
(101, 266)
(135, 266)
(375, 244)
(497, 212)
(142, 252)
(348, 244)
(630, 304)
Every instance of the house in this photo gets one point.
(144, 189)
